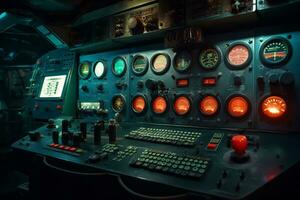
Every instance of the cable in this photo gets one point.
(178, 196)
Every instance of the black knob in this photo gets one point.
(100, 87)
(119, 85)
(260, 82)
(50, 124)
(77, 138)
(84, 88)
(287, 79)
(34, 135)
(65, 138)
(140, 84)
(83, 128)
(161, 85)
(111, 130)
(151, 84)
(55, 136)
(237, 81)
(97, 133)
(64, 125)
(273, 79)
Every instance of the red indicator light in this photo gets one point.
(209, 105)
(182, 105)
(182, 82)
(238, 106)
(209, 81)
(138, 104)
(211, 146)
(159, 105)
(274, 107)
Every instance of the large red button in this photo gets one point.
(239, 143)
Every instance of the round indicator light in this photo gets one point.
(139, 65)
(139, 104)
(238, 56)
(99, 69)
(209, 58)
(118, 103)
(84, 70)
(274, 107)
(119, 66)
(238, 107)
(160, 63)
(209, 105)
(159, 105)
(182, 61)
(182, 105)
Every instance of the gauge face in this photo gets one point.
(159, 105)
(84, 70)
(182, 61)
(276, 51)
(99, 69)
(140, 65)
(238, 56)
(139, 104)
(238, 107)
(209, 58)
(274, 107)
(119, 66)
(209, 106)
(160, 63)
(118, 103)
(182, 105)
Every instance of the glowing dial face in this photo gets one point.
(160, 63)
(139, 104)
(99, 69)
(209, 58)
(118, 103)
(209, 105)
(276, 51)
(119, 66)
(182, 105)
(159, 105)
(84, 70)
(274, 107)
(238, 107)
(238, 55)
(183, 61)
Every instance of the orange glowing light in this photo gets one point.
(274, 107)
(159, 105)
(182, 105)
(209, 105)
(139, 104)
(238, 106)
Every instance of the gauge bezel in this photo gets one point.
(260, 111)
(190, 102)
(280, 63)
(245, 64)
(167, 66)
(217, 49)
(113, 99)
(146, 104)
(105, 69)
(113, 64)
(145, 69)
(90, 70)
(189, 57)
(247, 114)
(167, 106)
(218, 109)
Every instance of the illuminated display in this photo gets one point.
(53, 86)
(238, 55)
(99, 69)
(274, 107)
(182, 82)
(159, 105)
(211, 81)
(209, 105)
(238, 107)
(182, 105)
(118, 103)
(209, 58)
(182, 61)
(139, 65)
(160, 63)
(89, 106)
(119, 66)
(84, 70)
(139, 104)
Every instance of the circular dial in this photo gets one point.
(160, 63)
(99, 69)
(209, 58)
(139, 65)
(84, 70)
(209, 105)
(182, 105)
(139, 104)
(159, 105)
(238, 106)
(119, 66)
(275, 51)
(118, 103)
(238, 56)
(274, 107)
(182, 61)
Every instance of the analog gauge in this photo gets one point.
(139, 65)
(209, 58)
(160, 63)
(84, 70)
(209, 105)
(182, 61)
(238, 56)
(275, 51)
(119, 66)
(99, 69)
(182, 105)
(274, 107)
(139, 104)
(238, 106)
(159, 105)
(118, 103)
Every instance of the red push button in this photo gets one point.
(239, 143)
(72, 149)
(212, 146)
(61, 146)
(58, 107)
